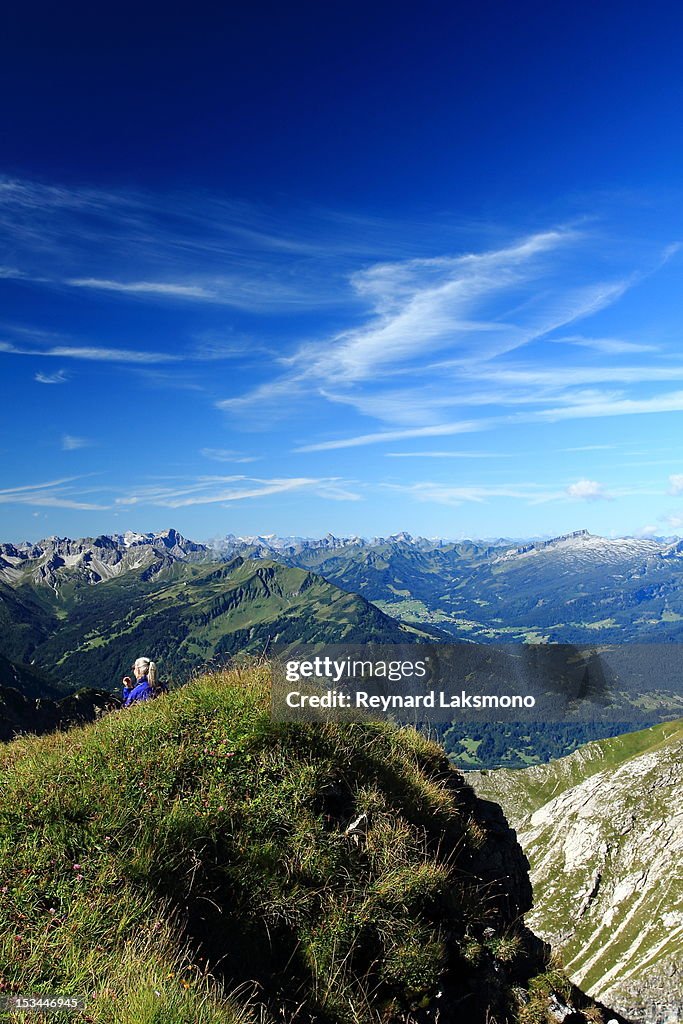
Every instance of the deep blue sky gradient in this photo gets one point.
(349, 267)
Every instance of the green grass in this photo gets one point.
(191, 862)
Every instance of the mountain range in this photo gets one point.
(77, 613)
(576, 588)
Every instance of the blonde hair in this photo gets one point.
(146, 667)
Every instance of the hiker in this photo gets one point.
(147, 687)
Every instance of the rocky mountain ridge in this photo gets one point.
(93, 559)
(575, 588)
(109, 554)
(603, 832)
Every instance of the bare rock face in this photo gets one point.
(603, 832)
(52, 561)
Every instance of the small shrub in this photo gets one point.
(415, 966)
(473, 952)
(505, 948)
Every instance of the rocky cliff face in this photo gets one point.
(54, 560)
(603, 832)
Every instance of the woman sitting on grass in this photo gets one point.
(147, 685)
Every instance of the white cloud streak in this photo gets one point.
(452, 455)
(36, 487)
(227, 455)
(51, 494)
(440, 430)
(590, 448)
(421, 307)
(215, 490)
(581, 407)
(59, 377)
(670, 402)
(165, 289)
(93, 353)
(71, 443)
(445, 494)
(530, 493)
(607, 346)
(179, 246)
(44, 499)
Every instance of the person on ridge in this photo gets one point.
(147, 688)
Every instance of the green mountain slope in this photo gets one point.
(26, 679)
(167, 856)
(186, 614)
(603, 831)
(27, 619)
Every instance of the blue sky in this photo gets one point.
(299, 268)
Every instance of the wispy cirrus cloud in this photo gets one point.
(361, 440)
(422, 306)
(472, 311)
(71, 443)
(35, 487)
(211, 490)
(227, 455)
(338, 492)
(36, 342)
(530, 493)
(166, 289)
(590, 448)
(561, 378)
(277, 395)
(60, 377)
(177, 246)
(51, 494)
(93, 353)
(446, 494)
(452, 455)
(671, 401)
(584, 405)
(607, 346)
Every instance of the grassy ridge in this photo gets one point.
(165, 857)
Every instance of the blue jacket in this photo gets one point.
(143, 691)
